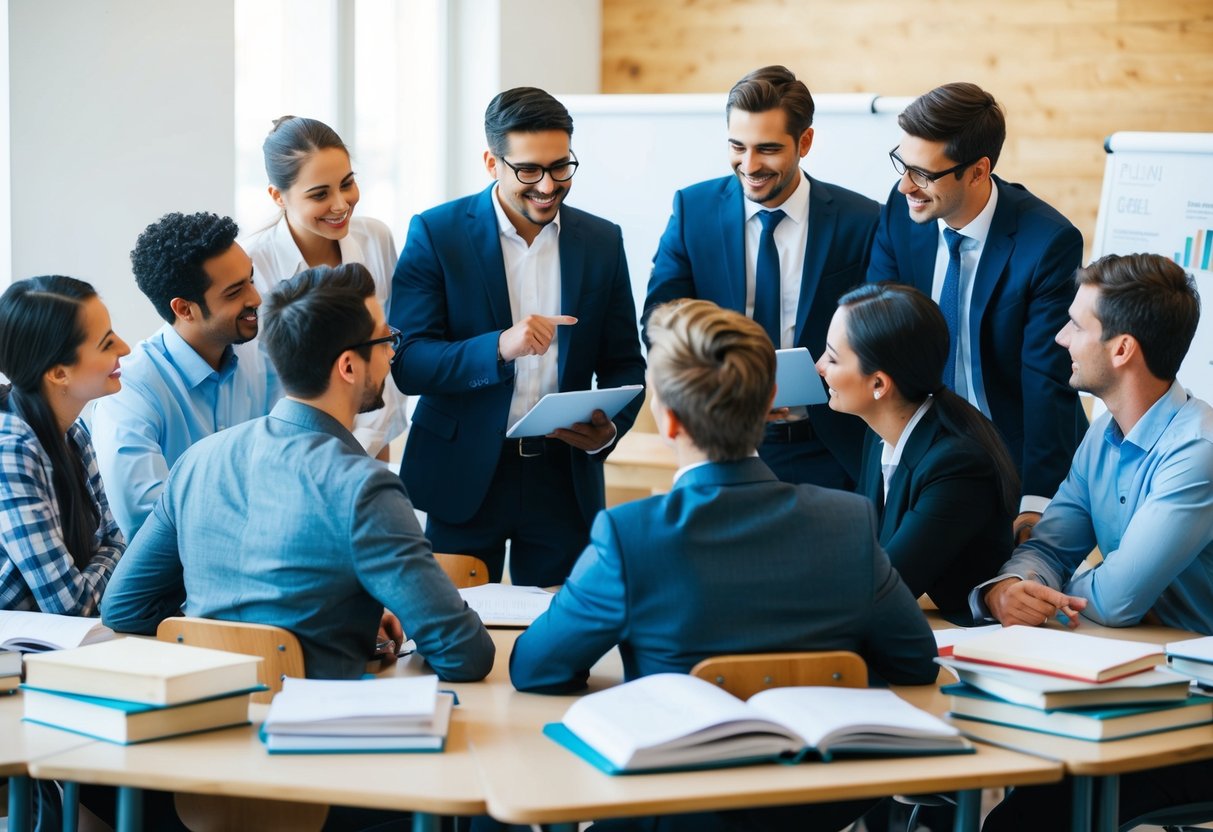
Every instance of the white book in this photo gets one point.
(1060, 653)
(432, 740)
(143, 670)
(363, 707)
(506, 605)
(947, 638)
(31, 632)
(671, 720)
(1201, 672)
(1193, 649)
(1037, 690)
(10, 663)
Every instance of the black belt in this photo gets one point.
(781, 433)
(531, 446)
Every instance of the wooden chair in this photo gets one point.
(745, 675)
(278, 648)
(463, 570)
(282, 656)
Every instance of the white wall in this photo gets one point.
(121, 111)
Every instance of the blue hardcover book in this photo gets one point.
(1087, 723)
(122, 722)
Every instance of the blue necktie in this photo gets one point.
(766, 278)
(949, 303)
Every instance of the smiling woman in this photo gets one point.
(58, 541)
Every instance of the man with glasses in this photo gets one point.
(503, 297)
(285, 520)
(1000, 263)
(778, 246)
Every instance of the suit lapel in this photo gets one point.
(924, 243)
(1000, 242)
(899, 486)
(732, 241)
(483, 239)
(823, 217)
(572, 269)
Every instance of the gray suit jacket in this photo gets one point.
(730, 561)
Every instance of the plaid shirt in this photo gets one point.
(37, 571)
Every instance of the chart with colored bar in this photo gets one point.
(1197, 251)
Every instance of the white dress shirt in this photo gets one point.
(532, 274)
(791, 238)
(975, 234)
(369, 242)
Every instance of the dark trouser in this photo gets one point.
(1044, 808)
(531, 503)
(794, 452)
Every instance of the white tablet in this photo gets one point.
(560, 410)
(796, 379)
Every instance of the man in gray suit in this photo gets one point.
(731, 560)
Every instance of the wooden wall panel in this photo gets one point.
(1068, 72)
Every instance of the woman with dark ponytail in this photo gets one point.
(938, 471)
(58, 541)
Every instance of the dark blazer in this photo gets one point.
(944, 525)
(702, 255)
(451, 302)
(730, 561)
(1021, 298)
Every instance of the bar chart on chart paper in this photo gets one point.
(1196, 252)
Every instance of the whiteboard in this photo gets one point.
(637, 150)
(1158, 199)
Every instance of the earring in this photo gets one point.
(876, 394)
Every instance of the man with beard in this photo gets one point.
(285, 520)
(503, 297)
(1138, 489)
(781, 247)
(197, 375)
(999, 263)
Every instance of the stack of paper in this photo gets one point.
(133, 690)
(1193, 658)
(394, 714)
(506, 605)
(1071, 684)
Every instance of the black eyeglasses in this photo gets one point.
(531, 174)
(923, 178)
(395, 338)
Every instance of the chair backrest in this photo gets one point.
(745, 675)
(463, 570)
(279, 649)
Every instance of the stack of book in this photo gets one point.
(1193, 658)
(1070, 684)
(133, 690)
(317, 716)
(671, 721)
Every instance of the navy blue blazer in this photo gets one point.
(1021, 298)
(730, 561)
(943, 525)
(451, 302)
(702, 255)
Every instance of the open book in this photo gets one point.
(673, 721)
(506, 605)
(32, 632)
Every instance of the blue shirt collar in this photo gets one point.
(190, 364)
(1150, 427)
(313, 418)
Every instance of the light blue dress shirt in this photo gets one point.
(171, 398)
(285, 520)
(1146, 499)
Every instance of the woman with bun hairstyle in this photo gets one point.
(944, 485)
(59, 542)
(312, 183)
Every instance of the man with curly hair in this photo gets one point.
(195, 376)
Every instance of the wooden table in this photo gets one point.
(1092, 764)
(24, 743)
(234, 762)
(527, 778)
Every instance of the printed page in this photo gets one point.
(506, 604)
(338, 705)
(30, 631)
